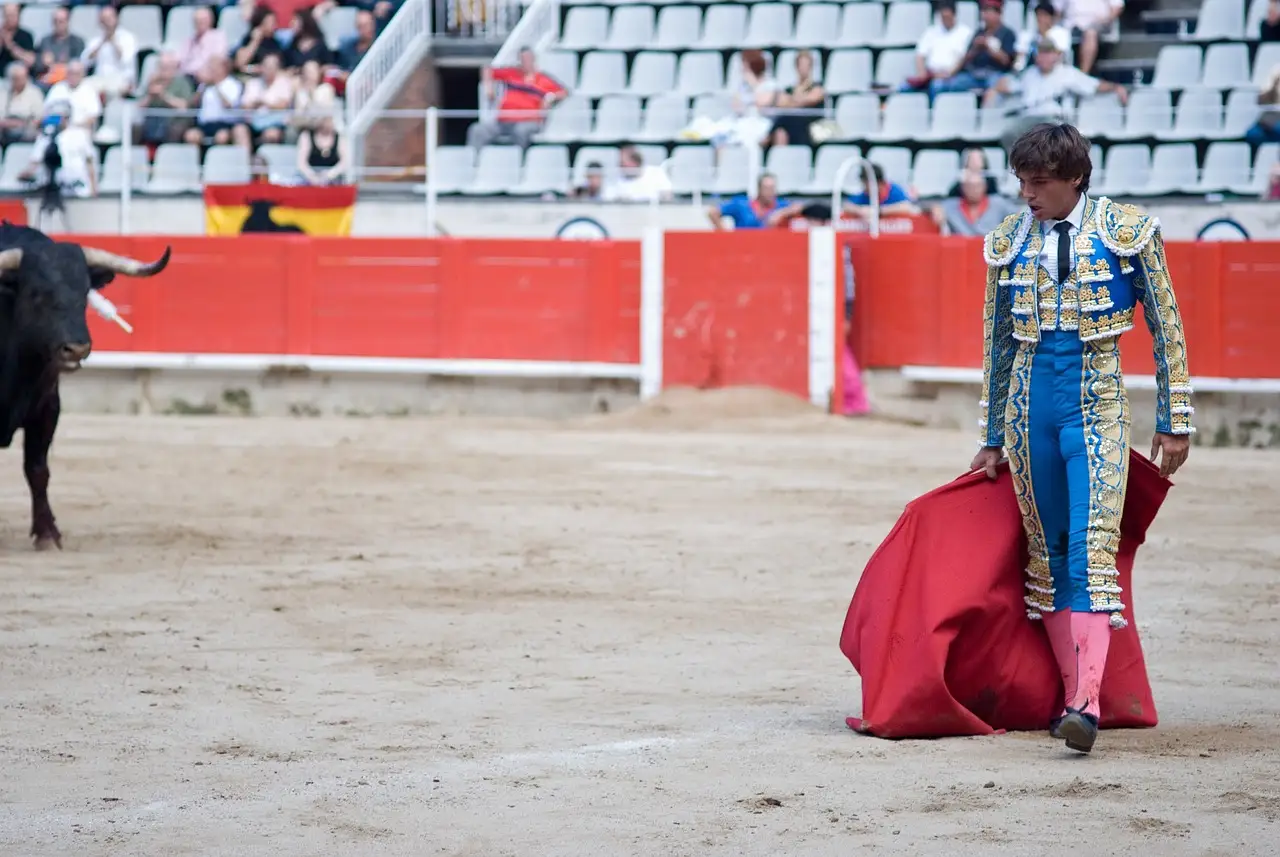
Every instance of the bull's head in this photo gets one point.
(52, 281)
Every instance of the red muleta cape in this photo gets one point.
(939, 632)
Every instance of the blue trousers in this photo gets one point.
(1067, 437)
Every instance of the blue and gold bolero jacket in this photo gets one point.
(1097, 300)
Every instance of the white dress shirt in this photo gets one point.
(1049, 252)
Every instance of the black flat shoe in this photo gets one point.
(1079, 729)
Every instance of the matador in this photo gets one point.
(1064, 278)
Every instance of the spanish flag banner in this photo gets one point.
(233, 209)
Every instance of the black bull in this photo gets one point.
(44, 290)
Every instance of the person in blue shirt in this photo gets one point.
(894, 199)
(766, 211)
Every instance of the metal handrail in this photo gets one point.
(537, 28)
(873, 190)
(391, 57)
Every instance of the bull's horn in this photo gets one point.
(10, 259)
(121, 264)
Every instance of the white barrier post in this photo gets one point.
(651, 310)
(430, 177)
(823, 313)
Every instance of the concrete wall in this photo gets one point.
(1223, 419)
(406, 216)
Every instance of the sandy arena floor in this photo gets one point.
(609, 636)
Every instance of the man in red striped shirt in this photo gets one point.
(527, 95)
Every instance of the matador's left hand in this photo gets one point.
(1173, 450)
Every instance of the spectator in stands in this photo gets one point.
(57, 49)
(1269, 30)
(167, 89)
(1047, 27)
(206, 42)
(219, 98)
(990, 54)
(1041, 89)
(16, 44)
(267, 103)
(974, 160)
(637, 182)
(322, 154)
(791, 121)
(593, 188)
(1267, 128)
(79, 94)
(976, 211)
(527, 94)
(308, 42)
(112, 56)
(1089, 18)
(78, 175)
(941, 51)
(894, 198)
(354, 47)
(313, 98)
(765, 211)
(258, 42)
(756, 90)
(23, 106)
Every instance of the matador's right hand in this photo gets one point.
(988, 458)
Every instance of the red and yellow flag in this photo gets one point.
(232, 209)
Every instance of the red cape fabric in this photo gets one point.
(939, 633)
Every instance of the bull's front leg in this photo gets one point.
(37, 437)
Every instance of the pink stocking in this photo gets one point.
(1091, 633)
(1058, 626)
(855, 397)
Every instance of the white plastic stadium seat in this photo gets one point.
(37, 20)
(180, 25)
(1226, 165)
(232, 24)
(848, 71)
(176, 169)
(546, 169)
(1100, 116)
(858, 115)
(904, 22)
(692, 169)
(1148, 114)
(652, 73)
(226, 165)
(713, 105)
(1199, 116)
(724, 26)
(955, 117)
(679, 27)
(861, 26)
(1220, 19)
(145, 24)
(768, 24)
(617, 118)
(1267, 58)
(112, 180)
(1263, 161)
(585, 28)
(1173, 169)
(906, 117)
(792, 166)
(16, 158)
(336, 24)
(602, 73)
(817, 25)
(1225, 65)
(498, 169)
(455, 169)
(631, 28)
(827, 163)
(664, 117)
(1241, 112)
(567, 121)
(282, 158)
(733, 171)
(84, 22)
(699, 72)
(1177, 67)
(1128, 166)
(895, 66)
(562, 65)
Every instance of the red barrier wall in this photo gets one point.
(445, 298)
(736, 304)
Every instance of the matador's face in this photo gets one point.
(1048, 197)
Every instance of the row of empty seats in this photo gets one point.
(176, 169)
(151, 30)
(1220, 66)
(1228, 20)
(1125, 169)
(726, 26)
(1151, 113)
